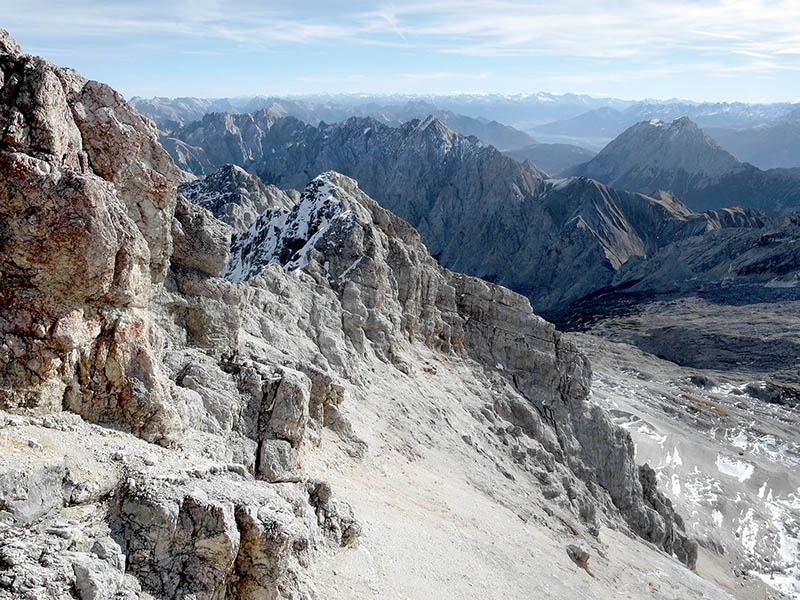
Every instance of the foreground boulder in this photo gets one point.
(88, 197)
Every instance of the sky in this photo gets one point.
(715, 50)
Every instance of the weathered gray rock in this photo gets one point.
(8, 45)
(122, 147)
(29, 489)
(392, 292)
(288, 402)
(277, 461)
(200, 241)
(197, 537)
(86, 190)
(226, 540)
(775, 392)
(94, 580)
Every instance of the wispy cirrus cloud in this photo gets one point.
(436, 40)
(491, 28)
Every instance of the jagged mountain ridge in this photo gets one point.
(170, 115)
(735, 266)
(554, 158)
(333, 232)
(681, 158)
(327, 207)
(477, 210)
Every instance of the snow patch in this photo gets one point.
(287, 237)
(717, 517)
(559, 184)
(675, 485)
(734, 468)
(783, 283)
(673, 459)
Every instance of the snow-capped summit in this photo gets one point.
(286, 237)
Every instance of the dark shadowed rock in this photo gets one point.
(235, 196)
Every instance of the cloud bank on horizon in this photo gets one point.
(698, 49)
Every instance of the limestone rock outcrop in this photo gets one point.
(106, 281)
(88, 197)
(392, 293)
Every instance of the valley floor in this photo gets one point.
(725, 456)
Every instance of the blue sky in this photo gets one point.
(632, 49)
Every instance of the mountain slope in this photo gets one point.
(675, 156)
(681, 158)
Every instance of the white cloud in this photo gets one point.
(491, 28)
(579, 40)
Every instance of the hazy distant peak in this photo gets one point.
(650, 150)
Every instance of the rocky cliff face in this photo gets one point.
(681, 158)
(91, 224)
(88, 198)
(235, 196)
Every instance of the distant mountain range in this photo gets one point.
(555, 129)
(554, 158)
(682, 158)
(593, 129)
(522, 111)
(477, 210)
(765, 146)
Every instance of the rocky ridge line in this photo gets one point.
(392, 292)
(478, 211)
